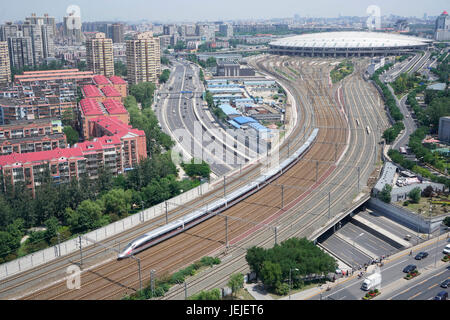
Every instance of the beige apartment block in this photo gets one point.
(99, 55)
(5, 68)
(143, 58)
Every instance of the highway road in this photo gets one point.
(393, 286)
(184, 118)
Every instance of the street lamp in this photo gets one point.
(290, 281)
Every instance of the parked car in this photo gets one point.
(421, 255)
(445, 283)
(443, 295)
(409, 268)
(446, 249)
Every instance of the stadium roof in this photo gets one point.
(350, 40)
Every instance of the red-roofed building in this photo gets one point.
(117, 109)
(120, 85)
(111, 93)
(92, 92)
(117, 148)
(133, 141)
(64, 164)
(90, 108)
(101, 80)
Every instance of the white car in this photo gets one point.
(446, 249)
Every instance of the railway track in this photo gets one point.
(161, 257)
(115, 279)
(8, 286)
(300, 228)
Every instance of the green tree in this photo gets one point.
(271, 274)
(213, 294)
(164, 76)
(197, 168)
(8, 244)
(236, 282)
(143, 92)
(71, 135)
(415, 195)
(68, 118)
(385, 194)
(120, 69)
(117, 201)
(86, 217)
(255, 258)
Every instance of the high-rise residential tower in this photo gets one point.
(143, 58)
(117, 31)
(20, 51)
(99, 55)
(5, 69)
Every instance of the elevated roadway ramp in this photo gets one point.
(380, 232)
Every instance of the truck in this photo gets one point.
(371, 282)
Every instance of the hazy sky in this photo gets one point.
(194, 10)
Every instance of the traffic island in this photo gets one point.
(446, 258)
(412, 275)
(371, 294)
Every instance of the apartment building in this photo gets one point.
(99, 54)
(31, 136)
(119, 150)
(5, 68)
(90, 108)
(143, 58)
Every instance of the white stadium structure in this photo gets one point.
(348, 44)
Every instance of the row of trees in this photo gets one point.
(83, 205)
(293, 258)
(390, 134)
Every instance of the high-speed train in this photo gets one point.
(188, 221)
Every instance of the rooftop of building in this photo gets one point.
(387, 176)
(114, 107)
(244, 120)
(23, 123)
(228, 109)
(90, 107)
(91, 91)
(52, 136)
(350, 39)
(117, 80)
(17, 159)
(49, 75)
(101, 80)
(109, 91)
(116, 127)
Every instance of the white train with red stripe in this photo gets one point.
(188, 221)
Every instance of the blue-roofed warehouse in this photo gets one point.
(244, 120)
(229, 110)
